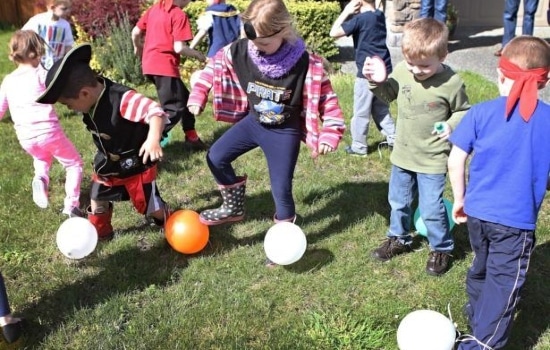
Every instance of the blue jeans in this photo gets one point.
(403, 187)
(510, 17)
(365, 104)
(434, 8)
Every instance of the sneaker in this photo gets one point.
(269, 263)
(196, 145)
(351, 152)
(40, 192)
(389, 248)
(438, 263)
(73, 212)
(383, 144)
(166, 138)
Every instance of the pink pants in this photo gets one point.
(56, 145)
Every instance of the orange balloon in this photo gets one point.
(185, 233)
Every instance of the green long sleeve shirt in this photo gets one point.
(420, 104)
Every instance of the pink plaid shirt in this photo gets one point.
(322, 118)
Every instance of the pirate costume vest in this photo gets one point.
(118, 140)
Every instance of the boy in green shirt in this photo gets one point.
(427, 92)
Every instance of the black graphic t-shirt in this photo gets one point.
(273, 101)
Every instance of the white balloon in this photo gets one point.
(76, 238)
(426, 330)
(285, 243)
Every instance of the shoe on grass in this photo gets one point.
(195, 145)
(438, 263)
(390, 248)
(73, 212)
(40, 192)
(351, 152)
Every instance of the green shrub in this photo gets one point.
(313, 21)
(114, 54)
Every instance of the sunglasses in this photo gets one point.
(251, 32)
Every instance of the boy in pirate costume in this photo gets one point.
(126, 128)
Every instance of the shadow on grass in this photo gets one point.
(341, 205)
(131, 269)
(533, 313)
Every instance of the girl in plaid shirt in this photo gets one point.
(277, 94)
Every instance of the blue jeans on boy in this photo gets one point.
(434, 9)
(403, 187)
(365, 104)
(510, 18)
(495, 279)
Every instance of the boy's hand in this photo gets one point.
(195, 110)
(353, 7)
(442, 129)
(374, 69)
(459, 217)
(151, 150)
(324, 148)
(199, 55)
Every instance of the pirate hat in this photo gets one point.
(59, 72)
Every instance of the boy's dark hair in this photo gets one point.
(81, 75)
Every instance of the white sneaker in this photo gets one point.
(40, 193)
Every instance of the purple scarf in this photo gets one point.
(281, 62)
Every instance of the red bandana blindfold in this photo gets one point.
(524, 88)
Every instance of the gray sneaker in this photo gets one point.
(351, 152)
(73, 212)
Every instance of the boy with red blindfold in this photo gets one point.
(507, 182)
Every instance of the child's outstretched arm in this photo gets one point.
(197, 39)
(180, 47)
(456, 164)
(151, 148)
(137, 108)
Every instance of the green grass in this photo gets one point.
(135, 292)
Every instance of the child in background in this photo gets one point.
(427, 92)
(37, 125)
(277, 93)
(368, 28)
(221, 22)
(12, 327)
(508, 141)
(126, 128)
(160, 38)
(53, 27)
(434, 9)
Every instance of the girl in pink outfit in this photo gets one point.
(37, 125)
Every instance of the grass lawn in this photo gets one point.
(135, 292)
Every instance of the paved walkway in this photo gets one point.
(471, 49)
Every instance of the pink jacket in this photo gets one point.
(322, 118)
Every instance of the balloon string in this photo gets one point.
(466, 337)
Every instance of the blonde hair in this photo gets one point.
(26, 45)
(270, 16)
(55, 3)
(425, 37)
(528, 52)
